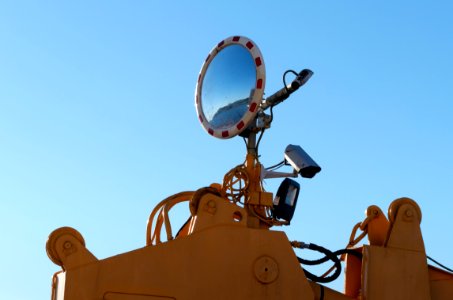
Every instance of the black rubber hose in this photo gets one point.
(326, 279)
(329, 255)
(326, 258)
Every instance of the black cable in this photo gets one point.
(284, 77)
(350, 252)
(321, 295)
(326, 258)
(276, 165)
(326, 279)
(272, 114)
(330, 256)
(259, 140)
(439, 264)
(245, 142)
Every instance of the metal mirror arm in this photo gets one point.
(286, 91)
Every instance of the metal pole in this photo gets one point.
(251, 144)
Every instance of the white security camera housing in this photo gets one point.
(301, 161)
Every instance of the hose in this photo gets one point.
(328, 255)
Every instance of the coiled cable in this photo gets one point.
(328, 256)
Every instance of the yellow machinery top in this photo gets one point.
(226, 249)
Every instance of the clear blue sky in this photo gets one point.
(97, 117)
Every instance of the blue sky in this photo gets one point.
(97, 117)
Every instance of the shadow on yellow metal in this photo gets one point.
(219, 255)
(396, 269)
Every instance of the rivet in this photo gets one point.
(67, 245)
(409, 213)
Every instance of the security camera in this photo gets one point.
(301, 161)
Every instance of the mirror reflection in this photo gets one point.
(228, 85)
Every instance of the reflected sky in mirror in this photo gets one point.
(227, 86)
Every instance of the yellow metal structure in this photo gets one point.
(227, 251)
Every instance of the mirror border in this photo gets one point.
(257, 96)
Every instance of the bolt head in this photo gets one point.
(67, 245)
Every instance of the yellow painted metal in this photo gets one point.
(66, 248)
(128, 296)
(58, 285)
(221, 258)
(441, 284)
(261, 199)
(394, 274)
(254, 170)
(221, 254)
(324, 293)
(377, 226)
(353, 275)
(161, 209)
(396, 269)
(216, 211)
(404, 232)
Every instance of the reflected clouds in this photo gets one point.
(228, 86)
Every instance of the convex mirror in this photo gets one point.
(230, 87)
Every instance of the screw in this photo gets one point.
(409, 213)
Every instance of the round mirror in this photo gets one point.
(230, 87)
